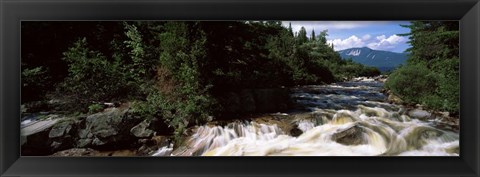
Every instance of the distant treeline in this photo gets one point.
(431, 75)
(174, 70)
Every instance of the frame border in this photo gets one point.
(12, 12)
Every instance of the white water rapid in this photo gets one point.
(343, 119)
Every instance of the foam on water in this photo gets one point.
(346, 119)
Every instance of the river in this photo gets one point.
(342, 119)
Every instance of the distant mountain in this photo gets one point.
(383, 60)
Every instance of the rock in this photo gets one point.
(350, 136)
(159, 126)
(48, 136)
(150, 146)
(63, 134)
(141, 131)
(295, 131)
(84, 142)
(76, 152)
(419, 114)
(37, 144)
(394, 98)
(61, 129)
(109, 129)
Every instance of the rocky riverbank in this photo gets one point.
(348, 116)
(112, 129)
(117, 130)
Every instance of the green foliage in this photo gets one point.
(415, 83)
(448, 90)
(94, 108)
(34, 83)
(431, 76)
(91, 76)
(302, 36)
(178, 70)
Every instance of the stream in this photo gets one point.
(342, 119)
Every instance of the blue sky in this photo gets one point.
(378, 35)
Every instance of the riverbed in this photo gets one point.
(350, 118)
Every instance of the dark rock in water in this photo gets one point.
(295, 131)
(350, 136)
(419, 114)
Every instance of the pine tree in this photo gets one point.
(290, 31)
(302, 36)
(313, 35)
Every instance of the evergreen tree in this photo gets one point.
(434, 49)
(302, 36)
(313, 35)
(290, 31)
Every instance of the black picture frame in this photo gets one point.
(14, 11)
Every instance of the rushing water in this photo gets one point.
(343, 119)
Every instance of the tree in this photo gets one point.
(91, 76)
(313, 35)
(302, 36)
(323, 37)
(434, 45)
(290, 31)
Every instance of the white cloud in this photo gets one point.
(381, 42)
(352, 41)
(384, 43)
(322, 25)
(382, 37)
(366, 37)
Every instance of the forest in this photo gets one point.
(432, 74)
(175, 70)
(174, 88)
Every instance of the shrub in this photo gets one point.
(91, 77)
(94, 108)
(448, 90)
(414, 83)
(34, 82)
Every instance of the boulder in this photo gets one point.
(109, 129)
(48, 136)
(350, 136)
(392, 98)
(141, 130)
(63, 134)
(295, 131)
(150, 146)
(419, 114)
(159, 126)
